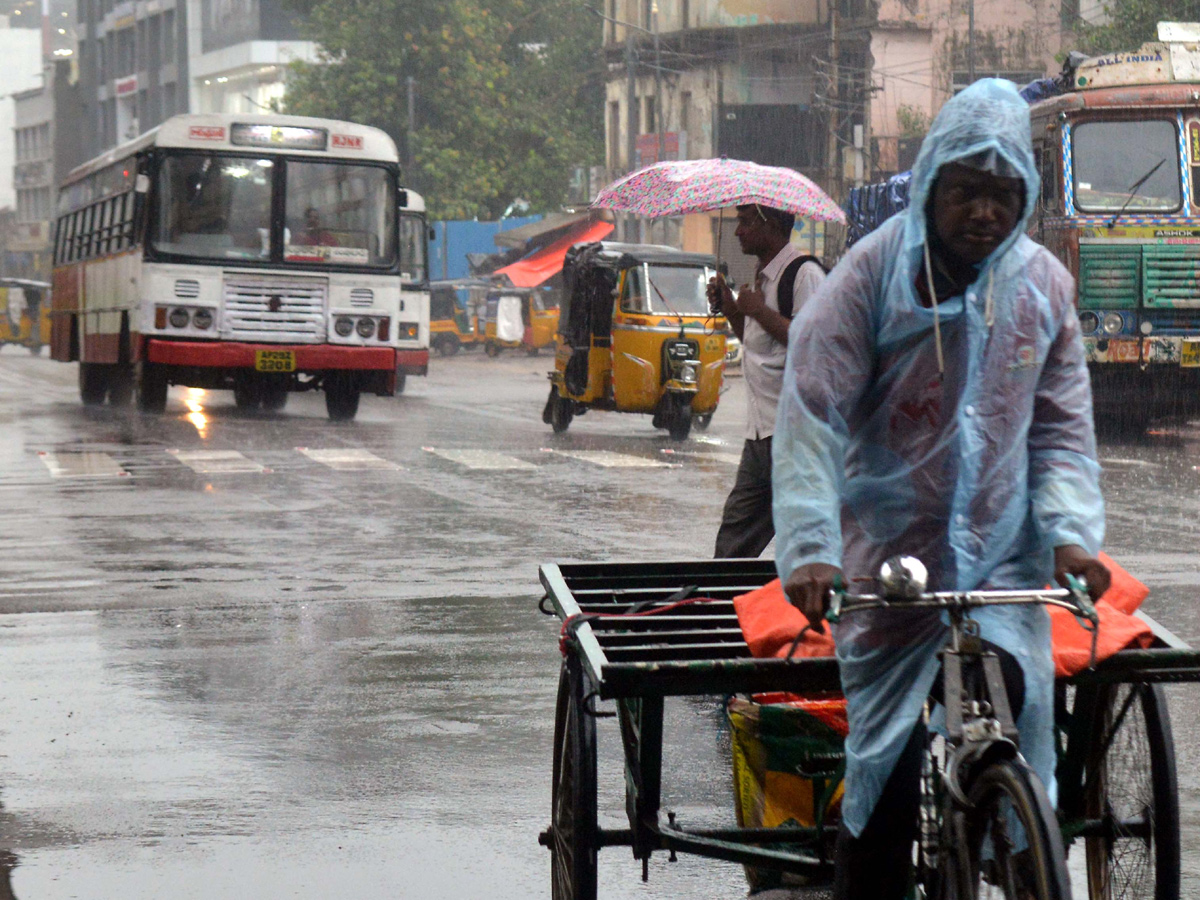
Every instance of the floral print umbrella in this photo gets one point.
(696, 185)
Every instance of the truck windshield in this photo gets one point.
(217, 206)
(1110, 157)
(667, 289)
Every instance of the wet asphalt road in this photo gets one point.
(306, 681)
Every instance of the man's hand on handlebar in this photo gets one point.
(808, 589)
(1071, 559)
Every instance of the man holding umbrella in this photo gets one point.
(760, 316)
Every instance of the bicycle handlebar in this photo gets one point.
(1073, 598)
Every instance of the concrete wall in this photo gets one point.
(20, 70)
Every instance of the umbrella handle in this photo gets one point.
(720, 228)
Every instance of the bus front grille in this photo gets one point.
(275, 310)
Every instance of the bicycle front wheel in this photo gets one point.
(1130, 791)
(1008, 844)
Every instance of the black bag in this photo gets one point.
(786, 295)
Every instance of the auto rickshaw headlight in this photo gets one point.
(687, 373)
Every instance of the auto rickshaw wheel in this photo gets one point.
(491, 349)
(447, 345)
(531, 351)
(702, 422)
(679, 416)
(562, 411)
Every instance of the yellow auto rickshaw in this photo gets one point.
(451, 327)
(24, 308)
(520, 318)
(636, 336)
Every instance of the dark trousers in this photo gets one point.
(877, 865)
(746, 525)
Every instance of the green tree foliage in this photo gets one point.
(1130, 23)
(509, 93)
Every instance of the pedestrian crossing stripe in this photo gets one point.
(348, 458)
(732, 459)
(217, 462)
(86, 464)
(610, 460)
(481, 459)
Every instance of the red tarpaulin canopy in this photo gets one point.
(548, 262)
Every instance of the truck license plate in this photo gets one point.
(275, 360)
(1190, 354)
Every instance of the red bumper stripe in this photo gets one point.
(309, 357)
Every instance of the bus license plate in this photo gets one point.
(1190, 354)
(275, 360)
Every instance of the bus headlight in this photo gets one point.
(344, 326)
(1088, 322)
(179, 317)
(1113, 323)
(202, 319)
(365, 328)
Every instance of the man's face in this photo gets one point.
(312, 218)
(753, 231)
(975, 211)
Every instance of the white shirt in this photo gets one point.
(763, 356)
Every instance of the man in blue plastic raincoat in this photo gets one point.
(936, 403)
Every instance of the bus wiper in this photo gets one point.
(1133, 191)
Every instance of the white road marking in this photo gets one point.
(732, 459)
(481, 459)
(610, 460)
(348, 458)
(82, 465)
(1137, 463)
(219, 462)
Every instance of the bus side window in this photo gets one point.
(104, 231)
(70, 249)
(84, 232)
(59, 233)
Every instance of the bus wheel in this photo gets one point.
(247, 393)
(341, 397)
(120, 386)
(152, 388)
(401, 381)
(274, 396)
(93, 383)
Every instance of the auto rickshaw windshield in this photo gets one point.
(667, 290)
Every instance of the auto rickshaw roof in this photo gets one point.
(618, 255)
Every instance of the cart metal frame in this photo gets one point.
(698, 649)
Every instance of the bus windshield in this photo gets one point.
(217, 206)
(1111, 157)
(412, 247)
(667, 290)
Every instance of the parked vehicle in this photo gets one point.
(23, 320)
(520, 319)
(262, 254)
(636, 336)
(451, 325)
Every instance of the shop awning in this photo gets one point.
(548, 262)
(518, 238)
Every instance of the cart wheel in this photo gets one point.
(573, 828)
(1131, 787)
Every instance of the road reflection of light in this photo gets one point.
(192, 400)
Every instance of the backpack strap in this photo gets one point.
(786, 294)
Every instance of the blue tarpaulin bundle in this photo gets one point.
(871, 205)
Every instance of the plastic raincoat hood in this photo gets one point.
(979, 472)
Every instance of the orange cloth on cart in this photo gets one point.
(770, 624)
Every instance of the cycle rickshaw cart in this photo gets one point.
(1118, 800)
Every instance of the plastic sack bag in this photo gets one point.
(788, 765)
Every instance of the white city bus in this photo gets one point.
(258, 254)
